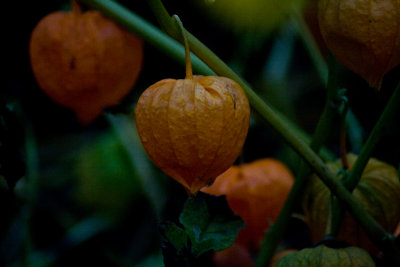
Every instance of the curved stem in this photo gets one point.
(387, 116)
(354, 176)
(188, 62)
(150, 34)
(336, 208)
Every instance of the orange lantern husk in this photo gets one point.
(194, 128)
(256, 192)
(362, 35)
(84, 61)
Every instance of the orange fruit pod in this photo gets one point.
(280, 255)
(84, 61)
(194, 128)
(256, 192)
(327, 257)
(362, 35)
(235, 256)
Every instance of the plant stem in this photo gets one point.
(322, 132)
(354, 176)
(335, 216)
(147, 32)
(188, 62)
(387, 116)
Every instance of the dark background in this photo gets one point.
(90, 206)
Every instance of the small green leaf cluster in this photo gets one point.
(206, 223)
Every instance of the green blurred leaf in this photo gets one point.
(106, 183)
(209, 223)
(175, 235)
(125, 130)
(86, 229)
(262, 16)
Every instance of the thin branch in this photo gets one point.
(387, 116)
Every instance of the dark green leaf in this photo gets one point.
(174, 245)
(209, 223)
(174, 235)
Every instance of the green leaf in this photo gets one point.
(209, 223)
(175, 236)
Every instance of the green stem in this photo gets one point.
(387, 116)
(336, 209)
(147, 32)
(322, 132)
(351, 181)
(336, 214)
(188, 62)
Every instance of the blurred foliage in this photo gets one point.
(98, 198)
(241, 16)
(105, 182)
